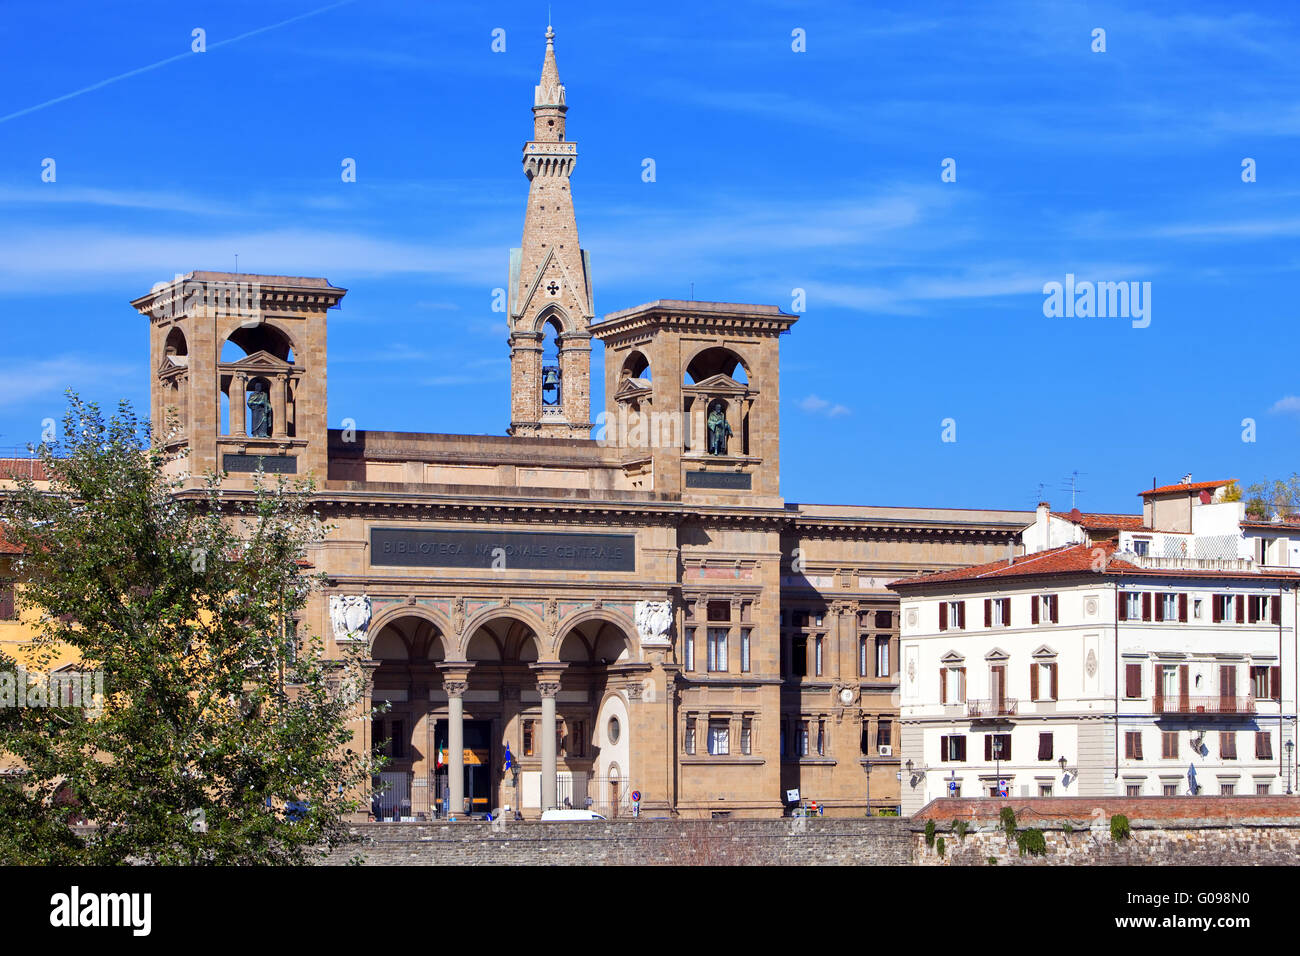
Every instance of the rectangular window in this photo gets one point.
(1132, 680)
(997, 747)
(1131, 606)
(1051, 610)
(1263, 745)
(528, 738)
(1169, 744)
(817, 653)
(1227, 745)
(1042, 680)
(1265, 682)
(882, 656)
(7, 610)
(1227, 789)
(884, 735)
(803, 738)
(997, 612)
(1045, 746)
(821, 738)
(719, 611)
(744, 650)
(1169, 789)
(1168, 607)
(862, 655)
(690, 735)
(1133, 789)
(799, 655)
(718, 737)
(953, 688)
(717, 648)
(952, 614)
(1133, 744)
(746, 736)
(952, 748)
(1263, 789)
(688, 644)
(1257, 608)
(1142, 547)
(1044, 789)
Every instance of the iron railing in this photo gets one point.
(1185, 706)
(997, 707)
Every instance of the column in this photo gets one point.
(238, 408)
(454, 682)
(279, 388)
(548, 685)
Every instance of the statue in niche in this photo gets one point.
(719, 431)
(259, 412)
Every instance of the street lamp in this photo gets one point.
(1290, 746)
(997, 755)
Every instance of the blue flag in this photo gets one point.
(507, 756)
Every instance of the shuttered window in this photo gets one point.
(1132, 680)
(1133, 744)
(1044, 746)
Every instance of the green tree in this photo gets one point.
(1265, 498)
(221, 736)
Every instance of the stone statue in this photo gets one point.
(259, 408)
(350, 616)
(653, 620)
(719, 432)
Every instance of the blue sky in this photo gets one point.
(776, 170)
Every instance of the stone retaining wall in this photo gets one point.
(882, 840)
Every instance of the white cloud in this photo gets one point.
(1291, 403)
(816, 405)
(46, 379)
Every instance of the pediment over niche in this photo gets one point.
(952, 657)
(259, 360)
(633, 388)
(720, 383)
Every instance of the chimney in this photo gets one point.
(1011, 551)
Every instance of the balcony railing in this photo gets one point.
(1212, 706)
(999, 707)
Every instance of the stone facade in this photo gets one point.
(625, 615)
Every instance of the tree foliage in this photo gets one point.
(222, 736)
(1266, 498)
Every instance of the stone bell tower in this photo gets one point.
(549, 301)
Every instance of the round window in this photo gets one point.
(613, 730)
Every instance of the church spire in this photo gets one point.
(550, 301)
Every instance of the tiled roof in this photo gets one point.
(7, 546)
(33, 468)
(1096, 521)
(1289, 524)
(1073, 559)
(1196, 486)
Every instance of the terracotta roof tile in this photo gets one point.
(1073, 559)
(1195, 486)
(1097, 521)
(32, 468)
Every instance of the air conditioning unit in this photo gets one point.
(886, 750)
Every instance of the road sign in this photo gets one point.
(952, 787)
(1002, 788)
(636, 796)
(792, 796)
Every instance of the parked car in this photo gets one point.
(569, 816)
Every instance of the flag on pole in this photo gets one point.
(508, 760)
(442, 760)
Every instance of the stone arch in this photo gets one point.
(712, 360)
(607, 615)
(441, 626)
(636, 365)
(554, 316)
(263, 337)
(491, 615)
(175, 346)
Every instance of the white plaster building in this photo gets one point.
(1143, 656)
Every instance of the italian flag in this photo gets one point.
(442, 760)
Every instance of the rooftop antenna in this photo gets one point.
(1072, 486)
